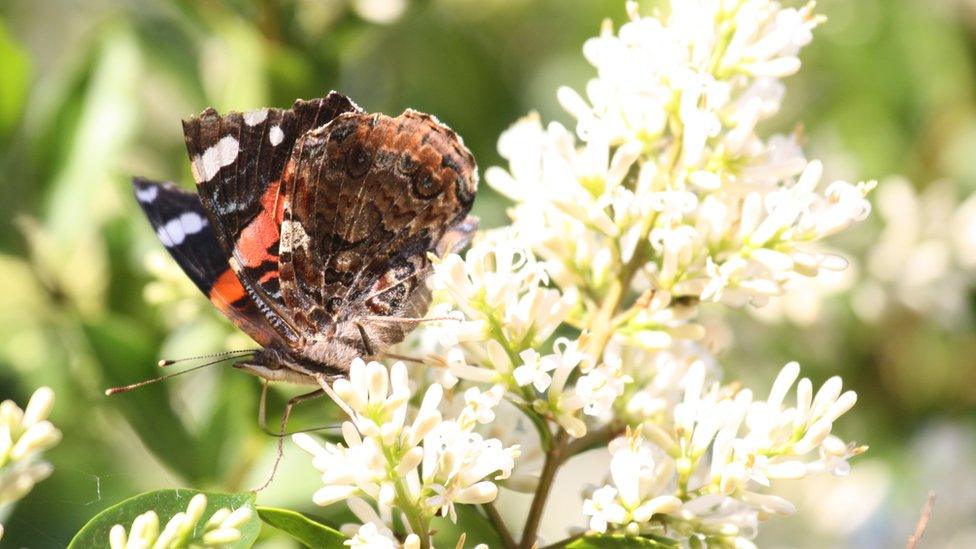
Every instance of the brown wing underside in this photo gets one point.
(367, 197)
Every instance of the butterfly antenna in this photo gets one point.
(126, 388)
(169, 362)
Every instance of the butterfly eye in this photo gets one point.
(358, 162)
(426, 186)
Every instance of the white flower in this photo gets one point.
(380, 11)
(777, 438)
(534, 370)
(600, 387)
(455, 464)
(480, 405)
(722, 515)
(639, 489)
(603, 509)
(561, 401)
(183, 529)
(24, 435)
(393, 453)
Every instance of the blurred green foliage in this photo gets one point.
(92, 93)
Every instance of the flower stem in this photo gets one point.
(602, 325)
(414, 516)
(593, 438)
(554, 458)
(496, 520)
(411, 509)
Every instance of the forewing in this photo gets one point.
(181, 224)
(237, 161)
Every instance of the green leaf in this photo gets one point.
(615, 541)
(165, 503)
(471, 522)
(302, 528)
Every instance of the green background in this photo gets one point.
(93, 92)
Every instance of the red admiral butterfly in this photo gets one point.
(311, 227)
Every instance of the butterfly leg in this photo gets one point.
(281, 434)
(371, 351)
(366, 343)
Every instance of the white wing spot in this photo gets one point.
(293, 236)
(192, 222)
(276, 135)
(147, 194)
(164, 237)
(254, 118)
(175, 231)
(171, 234)
(224, 153)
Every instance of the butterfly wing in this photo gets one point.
(180, 222)
(237, 161)
(368, 196)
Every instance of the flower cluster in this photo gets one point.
(183, 529)
(921, 257)
(716, 453)
(507, 316)
(412, 459)
(665, 174)
(500, 290)
(583, 314)
(24, 435)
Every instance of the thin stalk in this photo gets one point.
(554, 458)
(414, 516)
(593, 438)
(602, 325)
(499, 524)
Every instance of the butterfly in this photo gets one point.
(312, 227)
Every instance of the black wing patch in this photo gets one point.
(181, 224)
